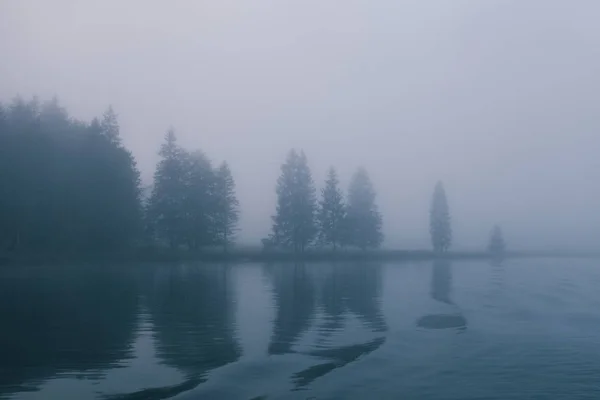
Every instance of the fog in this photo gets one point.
(498, 98)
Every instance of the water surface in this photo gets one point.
(523, 329)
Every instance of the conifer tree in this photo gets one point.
(198, 200)
(226, 207)
(110, 126)
(331, 212)
(439, 220)
(496, 245)
(294, 220)
(363, 227)
(166, 206)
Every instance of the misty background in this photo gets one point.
(499, 99)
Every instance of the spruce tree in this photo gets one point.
(439, 220)
(198, 200)
(110, 126)
(166, 204)
(226, 207)
(331, 212)
(294, 220)
(363, 227)
(496, 245)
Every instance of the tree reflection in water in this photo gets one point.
(192, 309)
(441, 287)
(77, 320)
(344, 291)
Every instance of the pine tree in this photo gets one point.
(331, 212)
(110, 126)
(496, 245)
(113, 200)
(166, 204)
(198, 200)
(294, 221)
(363, 221)
(226, 206)
(439, 220)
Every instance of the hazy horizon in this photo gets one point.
(497, 99)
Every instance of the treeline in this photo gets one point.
(301, 220)
(65, 185)
(68, 186)
(192, 204)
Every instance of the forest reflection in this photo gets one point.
(325, 298)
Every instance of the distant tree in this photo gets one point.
(198, 200)
(110, 126)
(363, 227)
(226, 206)
(331, 212)
(439, 220)
(496, 245)
(166, 204)
(294, 220)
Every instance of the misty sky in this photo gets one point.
(498, 98)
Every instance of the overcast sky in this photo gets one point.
(498, 98)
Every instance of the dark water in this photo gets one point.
(527, 329)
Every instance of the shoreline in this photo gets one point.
(257, 255)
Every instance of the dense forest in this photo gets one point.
(71, 187)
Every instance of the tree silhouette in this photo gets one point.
(166, 203)
(294, 220)
(198, 207)
(439, 220)
(226, 211)
(496, 245)
(363, 221)
(110, 126)
(331, 212)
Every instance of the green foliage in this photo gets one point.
(294, 221)
(363, 223)
(64, 187)
(439, 220)
(331, 212)
(496, 245)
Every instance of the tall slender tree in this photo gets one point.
(496, 245)
(363, 220)
(439, 220)
(294, 220)
(226, 207)
(166, 206)
(331, 212)
(198, 200)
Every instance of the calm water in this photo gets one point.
(527, 329)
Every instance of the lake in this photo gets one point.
(521, 329)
